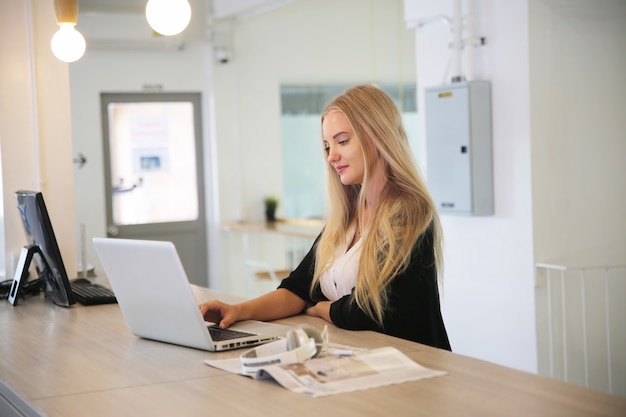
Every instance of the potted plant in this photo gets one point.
(270, 208)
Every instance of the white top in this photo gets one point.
(340, 278)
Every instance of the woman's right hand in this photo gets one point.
(220, 313)
(273, 305)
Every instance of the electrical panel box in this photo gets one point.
(458, 146)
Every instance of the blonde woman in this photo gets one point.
(375, 265)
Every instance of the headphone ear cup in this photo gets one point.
(313, 333)
(296, 338)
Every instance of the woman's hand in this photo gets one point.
(218, 312)
(273, 305)
(321, 309)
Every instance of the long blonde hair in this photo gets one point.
(405, 209)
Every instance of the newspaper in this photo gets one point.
(342, 371)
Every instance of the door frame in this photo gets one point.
(193, 254)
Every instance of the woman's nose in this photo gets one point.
(332, 155)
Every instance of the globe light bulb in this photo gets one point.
(168, 17)
(68, 44)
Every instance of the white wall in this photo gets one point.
(578, 63)
(488, 301)
(35, 125)
(577, 60)
(558, 151)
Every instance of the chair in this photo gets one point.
(261, 271)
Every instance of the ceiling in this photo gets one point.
(120, 24)
(112, 6)
(221, 8)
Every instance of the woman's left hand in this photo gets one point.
(321, 309)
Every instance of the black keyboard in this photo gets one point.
(89, 293)
(218, 334)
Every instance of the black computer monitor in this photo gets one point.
(43, 249)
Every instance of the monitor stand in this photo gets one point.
(21, 272)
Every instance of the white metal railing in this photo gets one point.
(580, 331)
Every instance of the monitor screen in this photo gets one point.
(43, 248)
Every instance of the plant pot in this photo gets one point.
(270, 216)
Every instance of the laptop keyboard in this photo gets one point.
(218, 334)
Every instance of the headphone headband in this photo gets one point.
(299, 345)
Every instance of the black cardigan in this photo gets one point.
(413, 311)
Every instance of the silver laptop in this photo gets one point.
(157, 301)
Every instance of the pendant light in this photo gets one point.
(68, 45)
(168, 17)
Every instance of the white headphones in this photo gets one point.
(302, 343)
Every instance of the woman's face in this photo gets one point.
(343, 150)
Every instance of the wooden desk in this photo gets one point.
(83, 361)
(308, 229)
